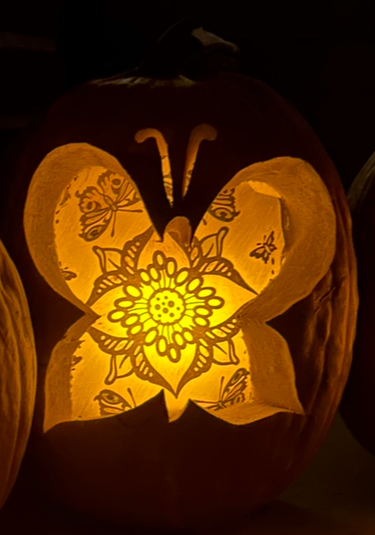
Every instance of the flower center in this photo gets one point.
(166, 306)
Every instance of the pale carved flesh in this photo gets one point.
(181, 313)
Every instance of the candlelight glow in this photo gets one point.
(181, 313)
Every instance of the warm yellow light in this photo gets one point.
(147, 133)
(179, 313)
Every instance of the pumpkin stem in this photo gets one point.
(187, 49)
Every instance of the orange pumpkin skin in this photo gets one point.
(137, 468)
(18, 373)
(358, 404)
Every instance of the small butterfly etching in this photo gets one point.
(111, 403)
(264, 250)
(232, 393)
(99, 205)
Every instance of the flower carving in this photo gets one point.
(163, 312)
(168, 308)
(183, 313)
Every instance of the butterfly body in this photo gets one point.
(265, 249)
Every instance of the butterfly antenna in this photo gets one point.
(221, 388)
(113, 225)
(203, 401)
(200, 133)
(131, 395)
(220, 239)
(140, 137)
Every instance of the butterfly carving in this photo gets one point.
(233, 392)
(220, 300)
(100, 204)
(265, 249)
(111, 403)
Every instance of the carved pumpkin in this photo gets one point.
(175, 313)
(203, 233)
(358, 406)
(18, 373)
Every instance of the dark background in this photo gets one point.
(320, 57)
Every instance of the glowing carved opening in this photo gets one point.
(200, 133)
(140, 137)
(186, 315)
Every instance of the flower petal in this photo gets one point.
(172, 372)
(206, 389)
(168, 247)
(105, 307)
(234, 297)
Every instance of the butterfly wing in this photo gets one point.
(96, 213)
(234, 390)
(91, 190)
(118, 190)
(278, 199)
(260, 252)
(276, 206)
(270, 242)
(111, 403)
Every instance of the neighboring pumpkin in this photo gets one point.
(358, 404)
(18, 373)
(190, 191)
